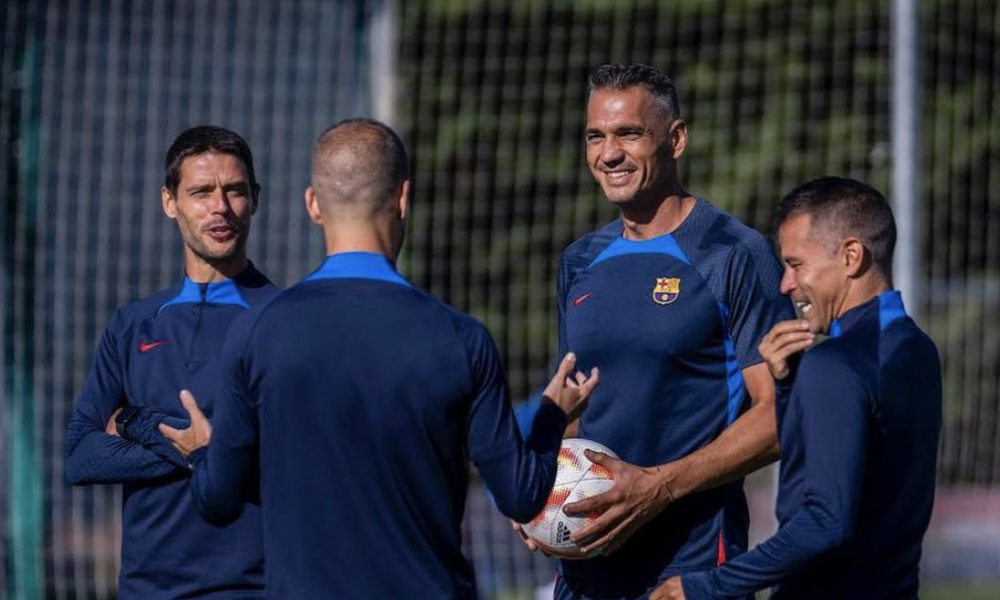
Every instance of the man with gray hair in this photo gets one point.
(670, 301)
(360, 400)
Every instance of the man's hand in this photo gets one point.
(570, 393)
(528, 542)
(639, 495)
(784, 340)
(111, 428)
(196, 436)
(519, 529)
(670, 589)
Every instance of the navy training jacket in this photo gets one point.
(150, 350)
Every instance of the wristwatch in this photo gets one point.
(123, 418)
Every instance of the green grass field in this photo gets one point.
(961, 591)
(928, 591)
(951, 591)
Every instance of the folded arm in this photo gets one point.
(92, 454)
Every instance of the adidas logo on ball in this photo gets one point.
(562, 533)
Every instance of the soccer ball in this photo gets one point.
(576, 478)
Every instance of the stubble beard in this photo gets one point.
(212, 257)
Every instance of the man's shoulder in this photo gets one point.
(831, 379)
(907, 334)
(255, 287)
(148, 306)
(714, 230)
(834, 359)
(464, 325)
(300, 300)
(586, 248)
(306, 292)
(826, 353)
(128, 316)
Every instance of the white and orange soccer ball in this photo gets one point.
(576, 478)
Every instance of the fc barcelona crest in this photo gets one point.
(667, 289)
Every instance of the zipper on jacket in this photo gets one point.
(197, 323)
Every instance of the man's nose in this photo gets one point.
(788, 281)
(220, 202)
(612, 152)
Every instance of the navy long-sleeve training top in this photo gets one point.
(671, 322)
(360, 400)
(859, 433)
(150, 351)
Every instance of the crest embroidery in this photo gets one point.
(667, 289)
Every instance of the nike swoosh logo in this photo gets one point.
(147, 346)
(580, 300)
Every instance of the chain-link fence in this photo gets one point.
(93, 94)
(491, 103)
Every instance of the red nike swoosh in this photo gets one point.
(147, 346)
(580, 300)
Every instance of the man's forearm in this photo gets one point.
(750, 443)
(143, 429)
(219, 493)
(814, 529)
(93, 456)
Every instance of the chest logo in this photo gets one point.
(667, 289)
(579, 301)
(145, 347)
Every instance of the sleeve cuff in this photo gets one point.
(197, 457)
(699, 585)
(548, 427)
(142, 425)
(144, 430)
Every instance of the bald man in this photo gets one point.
(359, 399)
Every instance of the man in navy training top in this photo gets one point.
(859, 427)
(150, 351)
(670, 301)
(360, 399)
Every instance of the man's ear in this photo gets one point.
(169, 202)
(856, 258)
(312, 206)
(678, 138)
(403, 202)
(254, 199)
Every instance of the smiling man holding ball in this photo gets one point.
(670, 301)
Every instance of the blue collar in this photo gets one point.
(890, 310)
(358, 265)
(217, 292)
(662, 244)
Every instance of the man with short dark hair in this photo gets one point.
(860, 424)
(670, 301)
(360, 399)
(151, 350)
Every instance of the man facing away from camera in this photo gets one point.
(150, 351)
(360, 399)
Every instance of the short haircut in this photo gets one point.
(202, 139)
(842, 208)
(621, 77)
(358, 164)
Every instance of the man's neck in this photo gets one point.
(643, 223)
(863, 290)
(359, 239)
(200, 270)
